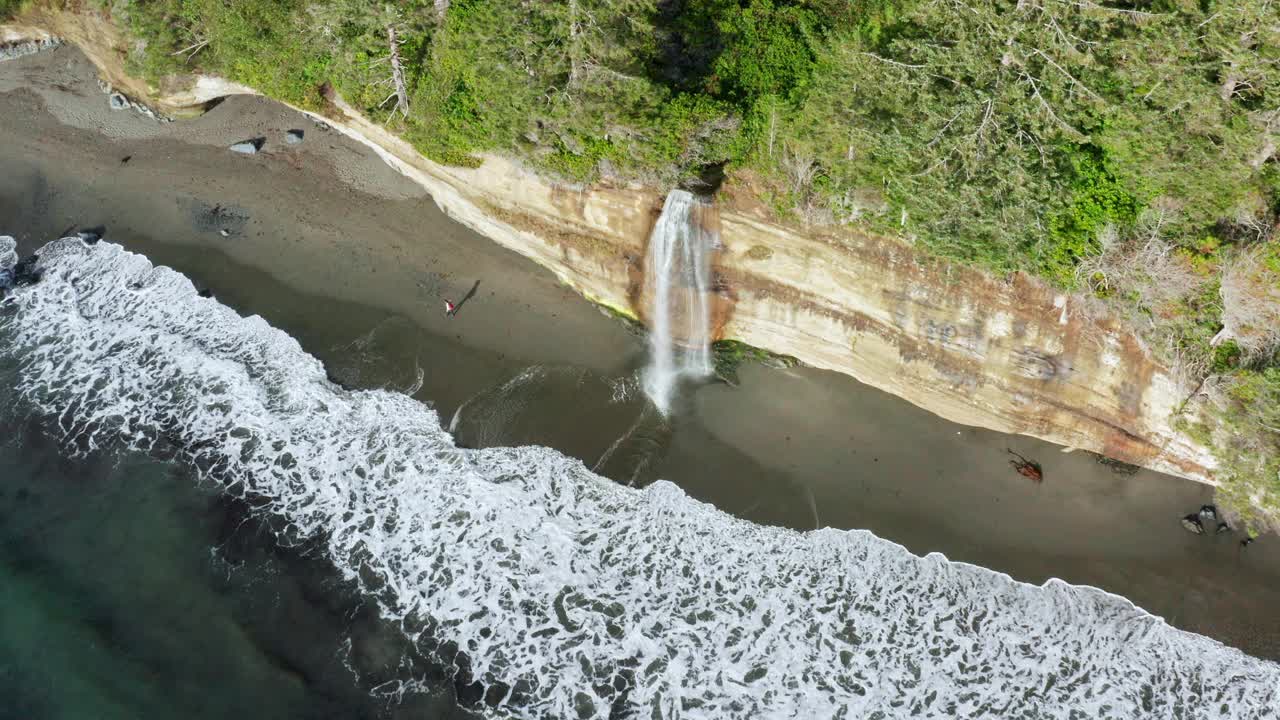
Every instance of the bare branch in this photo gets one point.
(1251, 304)
(1087, 5)
(192, 50)
(1035, 92)
(986, 118)
(1068, 75)
(894, 62)
(938, 136)
(591, 65)
(397, 72)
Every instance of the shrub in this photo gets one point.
(1247, 442)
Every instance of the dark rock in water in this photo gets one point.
(248, 147)
(207, 293)
(1222, 528)
(1208, 512)
(1192, 524)
(1246, 542)
(293, 137)
(89, 237)
(118, 101)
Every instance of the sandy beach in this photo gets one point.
(325, 241)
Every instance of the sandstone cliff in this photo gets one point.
(1009, 354)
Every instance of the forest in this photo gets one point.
(1125, 151)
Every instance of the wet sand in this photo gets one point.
(323, 217)
(354, 260)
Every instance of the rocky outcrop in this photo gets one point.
(1010, 354)
(17, 41)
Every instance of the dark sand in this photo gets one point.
(352, 259)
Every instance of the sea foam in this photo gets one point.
(569, 595)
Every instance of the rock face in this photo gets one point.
(1012, 355)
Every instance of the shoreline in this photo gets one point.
(548, 538)
(115, 566)
(1013, 356)
(791, 441)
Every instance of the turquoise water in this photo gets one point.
(129, 591)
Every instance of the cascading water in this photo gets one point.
(678, 287)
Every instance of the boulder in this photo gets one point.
(1192, 524)
(1222, 528)
(1208, 513)
(118, 101)
(293, 137)
(248, 147)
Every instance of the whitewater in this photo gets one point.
(570, 595)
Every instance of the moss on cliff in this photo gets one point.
(731, 354)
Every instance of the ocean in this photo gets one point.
(515, 573)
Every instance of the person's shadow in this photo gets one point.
(470, 294)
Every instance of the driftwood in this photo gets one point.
(1026, 468)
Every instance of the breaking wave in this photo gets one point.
(568, 595)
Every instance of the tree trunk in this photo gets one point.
(397, 73)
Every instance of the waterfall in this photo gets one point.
(678, 289)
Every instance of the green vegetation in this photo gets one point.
(9, 8)
(1006, 133)
(1098, 200)
(731, 354)
(1246, 436)
(1124, 149)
